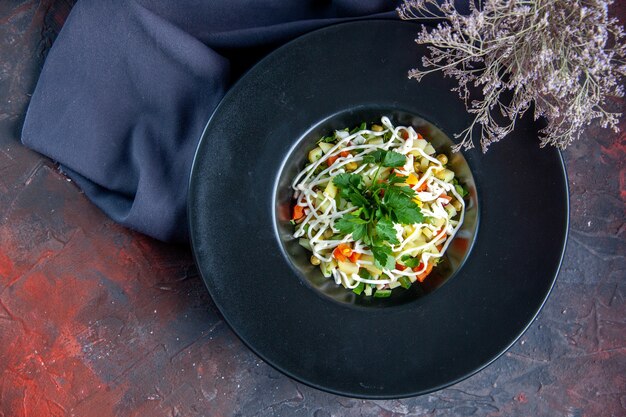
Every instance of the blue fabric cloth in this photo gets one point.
(128, 87)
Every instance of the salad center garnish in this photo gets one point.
(380, 205)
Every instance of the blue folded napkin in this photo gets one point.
(128, 87)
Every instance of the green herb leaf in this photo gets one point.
(327, 139)
(386, 231)
(363, 126)
(350, 223)
(409, 215)
(404, 190)
(402, 207)
(347, 223)
(394, 159)
(356, 181)
(351, 186)
(375, 157)
(369, 159)
(395, 198)
(382, 257)
(357, 199)
(395, 179)
(343, 180)
(359, 232)
(367, 238)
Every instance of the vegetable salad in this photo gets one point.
(377, 207)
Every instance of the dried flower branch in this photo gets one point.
(567, 57)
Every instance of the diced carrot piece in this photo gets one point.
(420, 136)
(354, 257)
(421, 277)
(298, 212)
(345, 249)
(338, 255)
(422, 187)
(331, 159)
(400, 267)
(342, 252)
(404, 135)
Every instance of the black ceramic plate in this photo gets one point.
(417, 342)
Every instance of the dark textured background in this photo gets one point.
(96, 320)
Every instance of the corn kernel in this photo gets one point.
(351, 166)
(442, 158)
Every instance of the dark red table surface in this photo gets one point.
(96, 320)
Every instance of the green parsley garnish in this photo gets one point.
(363, 126)
(327, 139)
(379, 206)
